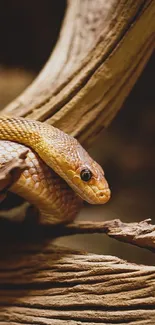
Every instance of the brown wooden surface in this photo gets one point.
(43, 284)
(141, 234)
(100, 54)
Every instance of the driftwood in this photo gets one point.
(10, 172)
(43, 284)
(102, 49)
(141, 234)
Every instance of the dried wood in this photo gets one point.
(102, 49)
(10, 172)
(43, 284)
(141, 234)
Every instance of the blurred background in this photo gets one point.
(125, 150)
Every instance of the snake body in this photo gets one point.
(51, 153)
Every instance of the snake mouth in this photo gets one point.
(93, 194)
(99, 197)
(104, 195)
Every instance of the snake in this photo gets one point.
(59, 174)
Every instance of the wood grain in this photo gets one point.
(141, 233)
(10, 172)
(44, 284)
(102, 50)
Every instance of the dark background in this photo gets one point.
(28, 32)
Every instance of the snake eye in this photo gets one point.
(86, 175)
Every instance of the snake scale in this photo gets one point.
(59, 174)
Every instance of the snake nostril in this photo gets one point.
(105, 193)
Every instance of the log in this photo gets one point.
(44, 284)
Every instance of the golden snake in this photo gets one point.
(52, 153)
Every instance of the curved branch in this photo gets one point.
(101, 52)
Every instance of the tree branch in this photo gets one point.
(100, 54)
(141, 234)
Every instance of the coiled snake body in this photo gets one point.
(52, 153)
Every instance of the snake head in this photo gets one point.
(84, 175)
(88, 179)
(73, 163)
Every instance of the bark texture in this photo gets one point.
(43, 284)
